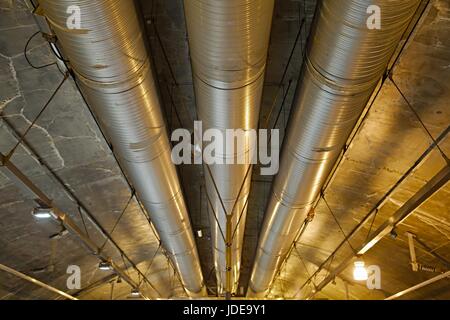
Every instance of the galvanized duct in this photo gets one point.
(111, 63)
(228, 46)
(344, 63)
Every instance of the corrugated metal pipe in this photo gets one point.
(109, 57)
(228, 46)
(344, 62)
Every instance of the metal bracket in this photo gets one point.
(42, 22)
(412, 251)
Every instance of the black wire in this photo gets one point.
(281, 109)
(210, 273)
(122, 213)
(371, 224)
(26, 56)
(215, 217)
(150, 264)
(173, 107)
(164, 52)
(280, 85)
(118, 220)
(337, 222)
(302, 261)
(143, 211)
(217, 190)
(167, 61)
(54, 51)
(126, 268)
(302, 24)
(420, 120)
(240, 218)
(329, 266)
(82, 219)
(38, 116)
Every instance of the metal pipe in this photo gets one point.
(36, 282)
(412, 251)
(228, 43)
(411, 31)
(113, 68)
(419, 286)
(344, 63)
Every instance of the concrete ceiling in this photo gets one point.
(66, 156)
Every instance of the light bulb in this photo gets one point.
(135, 293)
(42, 213)
(105, 266)
(359, 271)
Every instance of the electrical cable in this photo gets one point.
(215, 217)
(11, 152)
(420, 120)
(117, 221)
(371, 224)
(337, 222)
(150, 264)
(26, 56)
(82, 220)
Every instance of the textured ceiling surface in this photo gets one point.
(67, 141)
(66, 156)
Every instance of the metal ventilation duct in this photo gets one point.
(228, 47)
(345, 61)
(111, 63)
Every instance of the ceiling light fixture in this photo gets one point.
(59, 235)
(393, 234)
(359, 271)
(105, 266)
(43, 213)
(135, 293)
